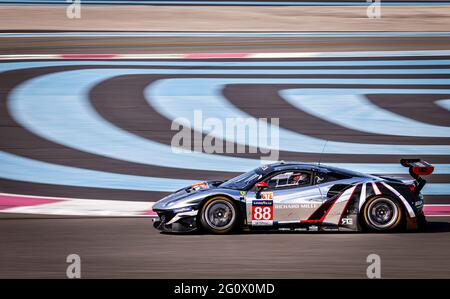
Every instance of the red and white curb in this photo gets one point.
(436, 210)
(26, 204)
(39, 205)
(226, 55)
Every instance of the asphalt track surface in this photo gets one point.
(37, 246)
(226, 2)
(131, 248)
(122, 45)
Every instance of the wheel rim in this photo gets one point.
(382, 213)
(220, 214)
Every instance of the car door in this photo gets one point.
(285, 200)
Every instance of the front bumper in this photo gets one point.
(168, 221)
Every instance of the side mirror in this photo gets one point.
(260, 186)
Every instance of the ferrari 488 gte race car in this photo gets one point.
(296, 196)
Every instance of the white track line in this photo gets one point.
(75, 206)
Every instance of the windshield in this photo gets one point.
(242, 181)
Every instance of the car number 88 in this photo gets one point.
(262, 213)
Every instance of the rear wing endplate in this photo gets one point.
(418, 168)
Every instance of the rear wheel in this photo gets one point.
(382, 214)
(219, 215)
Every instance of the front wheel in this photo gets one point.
(382, 214)
(219, 215)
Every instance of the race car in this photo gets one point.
(298, 196)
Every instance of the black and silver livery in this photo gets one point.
(298, 196)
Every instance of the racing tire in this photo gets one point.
(219, 215)
(382, 214)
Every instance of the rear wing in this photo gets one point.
(418, 168)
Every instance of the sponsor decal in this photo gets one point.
(267, 195)
(297, 206)
(419, 203)
(347, 221)
(242, 194)
(262, 202)
(181, 210)
(262, 212)
(262, 222)
(313, 228)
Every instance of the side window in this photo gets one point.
(321, 177)
(289, 179)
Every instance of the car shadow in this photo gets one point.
(436, 227)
